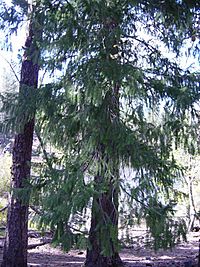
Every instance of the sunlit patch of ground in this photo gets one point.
(183, 255)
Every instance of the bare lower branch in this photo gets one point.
(12, 68)
(36, 210)
(4, 208)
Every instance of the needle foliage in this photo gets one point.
(89, 47)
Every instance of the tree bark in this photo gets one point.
(103, 236)
(15, 247)
(192, 209)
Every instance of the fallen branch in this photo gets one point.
(32, 246)
(36, 234)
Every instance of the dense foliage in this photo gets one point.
(116, 97)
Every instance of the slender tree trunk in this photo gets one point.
(15, 247)
(192, 209)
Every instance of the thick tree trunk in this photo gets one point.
(103, 237)
(15, 247)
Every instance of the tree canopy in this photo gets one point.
(120, 98)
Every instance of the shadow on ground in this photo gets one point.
(184, 255)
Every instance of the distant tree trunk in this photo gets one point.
(192, 209)
(15, 247)
(103, 236)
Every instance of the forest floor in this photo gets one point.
(185, 254)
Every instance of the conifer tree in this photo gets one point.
(15, 247)
(115, 72)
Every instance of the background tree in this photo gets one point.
(189, 184)
(15, 247)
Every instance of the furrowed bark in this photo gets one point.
(104, 230)
(16, 243)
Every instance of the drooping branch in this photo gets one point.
(139, 201)
(43, 148)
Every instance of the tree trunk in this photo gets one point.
(103, 236)
(15, 247)
(192, 209)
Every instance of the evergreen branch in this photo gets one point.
(43, 149)
(137, 200)
(113, 202)
(143, 42)
(41, 213)
(131, 196)
(85, 166)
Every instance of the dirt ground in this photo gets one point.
(185, 255)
